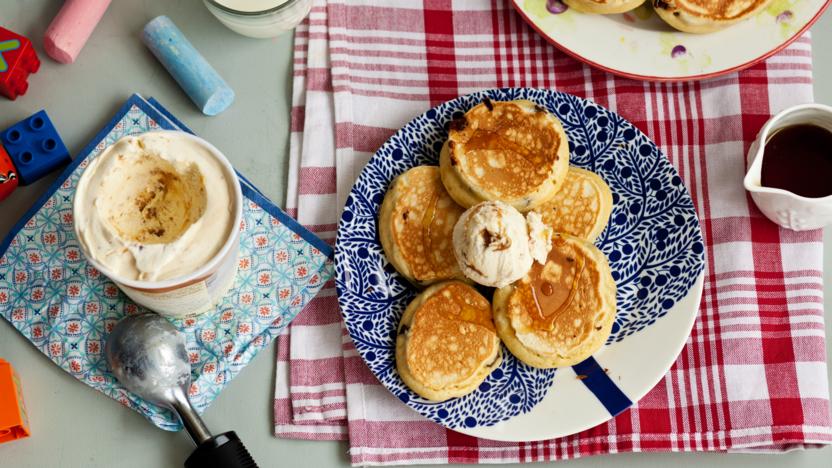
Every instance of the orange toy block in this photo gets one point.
(14, 424)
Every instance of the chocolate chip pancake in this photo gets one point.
(515, 152)
(581, 207)
(416, 227)
(704, 16)
(446, 344)
(603, 7)
(561, 312)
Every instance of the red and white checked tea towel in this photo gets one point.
(753, 373)
(315, 378)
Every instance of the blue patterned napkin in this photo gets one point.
(66, 308)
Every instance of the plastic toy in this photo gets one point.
(14, 423)
(195, 75)
(69, 31)
(17, 61)
(35, 147)
(8, 175)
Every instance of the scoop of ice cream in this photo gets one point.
(540, 237)
(491, 244)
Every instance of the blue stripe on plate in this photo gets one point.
(600, 384)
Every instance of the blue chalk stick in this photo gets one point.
(189, 68)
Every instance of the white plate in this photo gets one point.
(639, 45)
(653, 242)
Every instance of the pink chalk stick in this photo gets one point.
(69, 31)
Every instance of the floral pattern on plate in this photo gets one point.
(653, 243)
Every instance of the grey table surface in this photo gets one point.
(74, 426)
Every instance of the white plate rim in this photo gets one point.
(684, 77)
(682, 317)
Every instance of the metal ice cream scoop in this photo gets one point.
(147, 355)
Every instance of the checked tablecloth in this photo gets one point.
(752, 375)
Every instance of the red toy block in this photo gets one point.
(8, 175)
(17, 60)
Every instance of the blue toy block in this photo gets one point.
(35, 147)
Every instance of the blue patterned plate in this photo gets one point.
(653, 242)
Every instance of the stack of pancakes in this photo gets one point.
(695, 16)
(704, 16)
(560, 313)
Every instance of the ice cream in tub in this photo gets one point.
(159, 214)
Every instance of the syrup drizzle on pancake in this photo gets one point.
(458, 302)
(552, 300)
(424, 219)
(428, 219)
(504, 147)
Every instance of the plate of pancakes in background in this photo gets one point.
(671, 40)
(519, 264)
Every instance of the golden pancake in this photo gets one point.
(561, 312)
(416, 226)
(603, 7)
(704, 16)
(581, 207)
(514, 152)
(446, 344)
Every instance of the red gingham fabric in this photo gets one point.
(752, 376)
(315, 380)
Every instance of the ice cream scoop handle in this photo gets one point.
(222, 451)
(190, 419)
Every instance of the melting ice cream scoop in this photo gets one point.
(495, 246)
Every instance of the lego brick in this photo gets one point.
(14, 422)
(8, 175)
(17, 61)
(35, 147)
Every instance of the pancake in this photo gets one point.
(603, 7)
(561, 312)
(514, 152)
(581, 207)
(416, 226)
(704, 16)
(446, 344)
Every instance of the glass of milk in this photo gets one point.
(259, 18)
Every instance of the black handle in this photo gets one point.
(225, 450)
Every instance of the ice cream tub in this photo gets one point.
(159, 214)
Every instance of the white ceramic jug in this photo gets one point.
(781, 206)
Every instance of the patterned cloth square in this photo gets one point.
(66, 308)
(752, 376)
